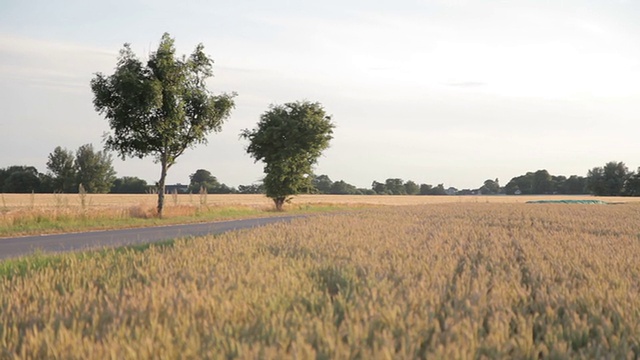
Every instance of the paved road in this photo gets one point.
(13, 247)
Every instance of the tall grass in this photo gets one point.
(59, 219)
(441, 281)
(14, 201)
(26, 221)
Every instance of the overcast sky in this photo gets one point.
(452, 92)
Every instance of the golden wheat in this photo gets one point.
(52, 201)
(458, 280)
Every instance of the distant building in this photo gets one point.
(451, 191)
(177, 188)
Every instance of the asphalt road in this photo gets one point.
(13, 247)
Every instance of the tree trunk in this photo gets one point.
(163, 176)
(279, 201)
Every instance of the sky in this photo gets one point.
(434, 91)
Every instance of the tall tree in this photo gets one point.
(608, 180)
(558, 183)
(395, 186)
(490, 187)
(574, 185)
(632, 186)
(438, 190)
(425, 189)
(162, 108)
(203, 179)
(94, 170)
(411, 188)
(62, 169)
(322, 184)
(289, 139)
(379, 188)
(541, 183)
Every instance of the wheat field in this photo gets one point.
(450, 281)
(49, 201)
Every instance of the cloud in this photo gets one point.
(37, 62)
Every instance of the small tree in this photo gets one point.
(62, 169)
(129, 185)
(541, 182)
(94, 170)
(425, 189)
(411, 188)
(438, 190)
(204, 179)
(608, 180)
(341, 187)
(161, 108)
(289, 139)
(490, 187)
(395, 186)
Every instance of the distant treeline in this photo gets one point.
(66, 170)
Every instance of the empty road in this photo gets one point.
(13, 247)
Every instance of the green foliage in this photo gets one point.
(438, 190)
(537, 183)
(573, 185)
(160, 108)
(129, 185)
(322, 184)
(62, 169)
(490, 187)
(411, 188)
(520, 185)
(203, 179)
(395, 186)
(608, 180)
(541, 182)
(94, 170)
(632, 185)
(289, 139)
(19, 179)
(425, 189)
(379, 188)
(46, 183)
(343, 188)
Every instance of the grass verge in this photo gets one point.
(35, 221)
